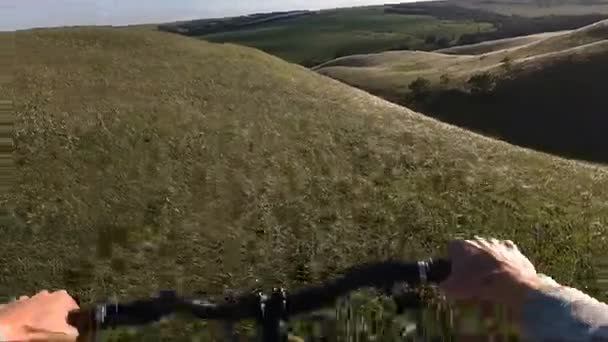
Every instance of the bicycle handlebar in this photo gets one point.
(258, 305)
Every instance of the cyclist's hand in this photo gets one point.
(42, 317)
(491, 271)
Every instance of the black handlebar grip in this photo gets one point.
(84, 321)
(439, 270)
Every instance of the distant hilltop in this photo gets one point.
(208, 26)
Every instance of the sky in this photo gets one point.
(23, 14)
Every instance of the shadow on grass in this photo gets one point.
(561, 109)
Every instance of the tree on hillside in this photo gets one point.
(430, 39)
(420, 89)
(445, 80)
(507, 67)
(443, 42)
(482, 83)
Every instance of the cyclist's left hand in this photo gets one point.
(42, 317)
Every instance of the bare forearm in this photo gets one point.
(558, 313)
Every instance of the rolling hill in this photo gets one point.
(536, 8)
(498, 44)
(460, 62)
(312, 37)
(550, 84)
(148, 160)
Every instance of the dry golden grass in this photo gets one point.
(497, 45)
(390, 73)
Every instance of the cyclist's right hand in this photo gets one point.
(490, 271)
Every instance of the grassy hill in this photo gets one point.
(537, 8)
(311, 38)
(555, 78)
(147, 160)
(495, 45)
(462, 61)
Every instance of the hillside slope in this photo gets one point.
(568, 40)
(566, 69)
(312, 38)
(496, 45)
(393, 71)
(149, 160)
(536, 8)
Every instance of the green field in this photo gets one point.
(314, 39)
(147, 160)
